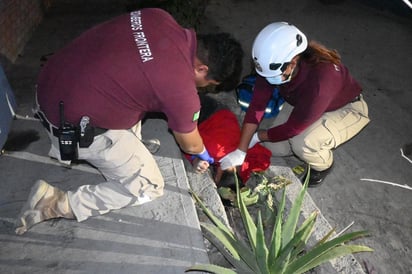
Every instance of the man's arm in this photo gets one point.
(248, 130)
(190, 143)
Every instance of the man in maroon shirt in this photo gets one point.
(324, 107)
(103, 83)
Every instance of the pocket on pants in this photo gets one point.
(347, 127)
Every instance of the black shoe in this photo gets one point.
(152, 145)
(316, 177)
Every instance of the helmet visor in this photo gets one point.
(275, 69)
(278, 67)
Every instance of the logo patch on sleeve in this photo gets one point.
(196, 116)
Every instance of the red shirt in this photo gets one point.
(315, 89)
(121, 69)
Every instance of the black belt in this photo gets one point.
(55, 131)
(357, 98)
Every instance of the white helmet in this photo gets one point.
(275, 46)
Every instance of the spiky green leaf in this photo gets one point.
(279, 264)
(326, 237)
(223, 238)
(307, 229)
(248, 222)
(211, 268)
(234, 250)
(333, 253)
(320, 253)
(210, 215)
(261, 249)
(276, 239)
(293, 217)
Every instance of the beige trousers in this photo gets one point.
(315, 144)
(131, 173)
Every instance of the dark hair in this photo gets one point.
(318, 53)
(223, 55)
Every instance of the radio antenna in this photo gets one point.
(61, 109)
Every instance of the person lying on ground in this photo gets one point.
(220, 131)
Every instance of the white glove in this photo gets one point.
(235, 158)
(254, 140)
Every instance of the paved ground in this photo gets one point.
(164, 236)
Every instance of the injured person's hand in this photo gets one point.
(200, 166)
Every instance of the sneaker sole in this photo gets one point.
(36, 194)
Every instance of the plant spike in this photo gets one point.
(261, 249)
(210, 268)
(292, 220)
(210, 215)
(306, 226)
(248, 222)
(223, 239)
(320, 254)
(245, 256)
(276, 239)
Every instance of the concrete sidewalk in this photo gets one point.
(158, 237)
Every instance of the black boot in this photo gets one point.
(316, 177)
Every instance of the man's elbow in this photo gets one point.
(190, 143)
(191, 148)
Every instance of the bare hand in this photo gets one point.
(200, 166)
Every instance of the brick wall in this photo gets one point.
(18, 20)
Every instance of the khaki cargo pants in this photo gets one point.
(132, 174)
(315, 145)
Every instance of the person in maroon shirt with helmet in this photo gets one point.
(324, 108)
(102, 84)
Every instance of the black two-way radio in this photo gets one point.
(68, 137)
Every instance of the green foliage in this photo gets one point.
(248, 197)
(266, 187)
(285, 252)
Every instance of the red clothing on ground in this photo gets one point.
(119, 70)
(221, 134)
(315, 89)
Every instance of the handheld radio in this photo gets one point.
(67, 137)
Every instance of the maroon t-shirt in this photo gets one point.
(315, 89)
(121, 69)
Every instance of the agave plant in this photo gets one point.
(266, 189)
(286, 250)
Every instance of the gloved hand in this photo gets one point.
(204, 155)
(235, 158)
(254, 140)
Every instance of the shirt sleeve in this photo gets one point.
(183, 112)
(312, 102)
